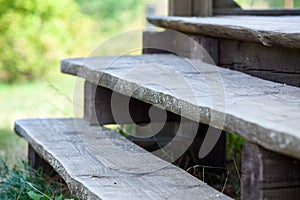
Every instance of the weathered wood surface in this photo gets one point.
(277, 64)
(282, 31)
(269, 175)
(190, 7)
(187, 46)
(98, 163)
(202, 8)
(180, 7)
(157, 42)
(260, 12)
(99, 102)
(229, 7)
(263, 112)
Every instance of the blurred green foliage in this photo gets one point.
(112, 14)
(35, 34)
(23, 183)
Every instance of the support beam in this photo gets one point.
(182, 45)
(36, 163)
(274, 63)
(269, 175)
(202, 8)
(98, 107)
(180, 7)
(216, 158)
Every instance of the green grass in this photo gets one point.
(39, 99)
(22, 182)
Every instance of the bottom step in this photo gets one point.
(98, 163)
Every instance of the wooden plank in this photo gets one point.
(272, 63)
(158, 42)
(180, 7)
(260, 111)
(188, 46)
(270, 31)
(260, 12)
(211, 46)
(98, 163)
(268, 175)
(202, 8)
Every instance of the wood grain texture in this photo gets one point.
(277, 64)
(257, 12)
(260, 111)
(268, 175)
(196, 47)
(180, 7)
(180, 44)
(190, 7)
(157, 42)
(277, 31)
(89, 109)
(202, 8)
(98, 163)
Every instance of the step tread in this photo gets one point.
(98, 163)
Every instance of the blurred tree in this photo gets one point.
(296, 3)
(112, 14)
(35, 34)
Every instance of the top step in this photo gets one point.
(268, 30)
(261, 111)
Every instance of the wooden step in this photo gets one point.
(262, 112)
(98, 163)
(268, 30)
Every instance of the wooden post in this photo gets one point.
(89, 103)
(191, 8)
(36, 162)
(202, 8)
(269, 175)
(158, 42)
(213, 164)
(180, 7)
(186, 46)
